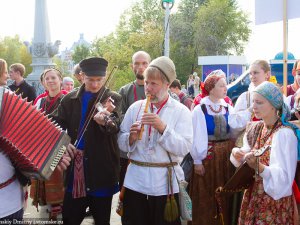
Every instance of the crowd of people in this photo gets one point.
(134, 140)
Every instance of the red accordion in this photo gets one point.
(32, 141)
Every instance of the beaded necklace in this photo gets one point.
(215, 111)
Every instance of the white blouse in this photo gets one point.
(200, 140)
(278, 177)
(176, 139)
(241, 115)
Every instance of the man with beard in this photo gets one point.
(155, 150)
(131, 93)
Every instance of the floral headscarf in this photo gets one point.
(272, 93)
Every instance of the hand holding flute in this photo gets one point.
(145, 111)
(136, 128)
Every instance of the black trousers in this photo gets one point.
(73, 211)
(140, 209)
(15, 216)
(123, 169)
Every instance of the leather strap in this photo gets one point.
(8, 182)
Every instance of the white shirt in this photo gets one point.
(200, 140)
(11, 196)
(278, 177)
(288, 101)
(176, 139)
(241, 115)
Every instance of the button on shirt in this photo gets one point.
(176, 139)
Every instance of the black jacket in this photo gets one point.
(25, 90)
(101, 153)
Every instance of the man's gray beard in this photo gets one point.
(139, 76)
(160, 96)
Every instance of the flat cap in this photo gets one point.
(94, 66)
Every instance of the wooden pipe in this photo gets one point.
(145, 111)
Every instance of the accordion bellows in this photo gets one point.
(32, 141)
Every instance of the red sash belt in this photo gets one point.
(8, 182)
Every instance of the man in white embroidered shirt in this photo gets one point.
(150, 180)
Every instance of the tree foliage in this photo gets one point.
(197, 28)
(13, 50)
(220, 28)
(80, 52)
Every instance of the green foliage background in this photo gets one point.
(197, 28)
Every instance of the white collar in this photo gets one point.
(207, 101)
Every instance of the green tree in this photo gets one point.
(140, 28)
(13, 50)
(62, 66)
(80, 52)
(26, 59)
(220, 28)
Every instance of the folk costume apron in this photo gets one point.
(218, 169)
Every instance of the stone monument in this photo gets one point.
(41, 49)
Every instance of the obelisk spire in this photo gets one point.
(41, 49)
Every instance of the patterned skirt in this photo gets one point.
(259, 208)
(48, 192)
(218, 170)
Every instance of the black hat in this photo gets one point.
(94, 66)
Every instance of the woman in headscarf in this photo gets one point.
(50, 192)
(269, 200)
(211, 151)
(198, 97)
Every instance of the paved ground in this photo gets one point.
(31, 212)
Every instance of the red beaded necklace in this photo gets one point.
(215, 111)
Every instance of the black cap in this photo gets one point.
(94, 66)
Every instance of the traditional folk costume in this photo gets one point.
(130, 93)
(11, 192)
(50, 192)
(270, 200)
(211, 147)
(150, 179)
(239, 119)
(92, 178)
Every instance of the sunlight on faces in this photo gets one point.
(258, 75)
(68, 86)
(52, 81)
(13, 74)
(140, 63)
(220, 89)
(262, 108)
(155, 85)
(93, 83)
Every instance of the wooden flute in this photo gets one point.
(145, 111)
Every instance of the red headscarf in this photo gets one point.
(211, 80)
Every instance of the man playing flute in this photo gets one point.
(150, 180)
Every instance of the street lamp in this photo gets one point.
(167, 5)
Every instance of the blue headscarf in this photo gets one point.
(273, 94)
